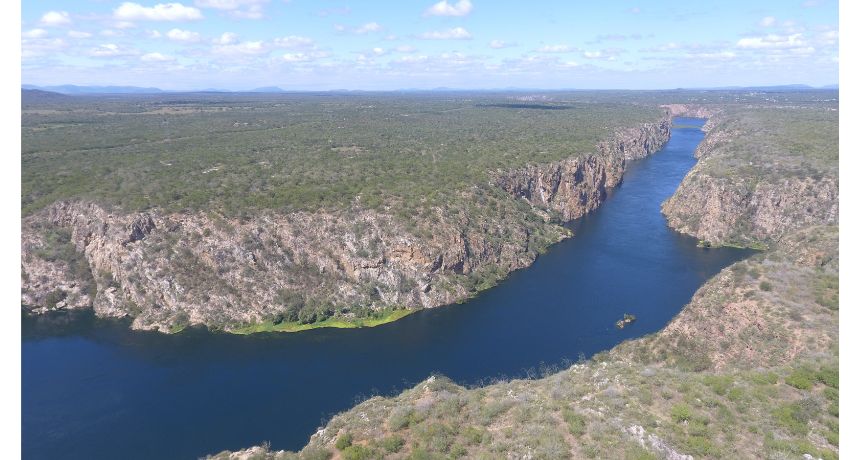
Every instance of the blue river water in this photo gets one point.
(93, 389)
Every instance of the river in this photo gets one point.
(93, 389)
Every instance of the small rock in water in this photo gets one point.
(627, 319)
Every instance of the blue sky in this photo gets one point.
(308, 45)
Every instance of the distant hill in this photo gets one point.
(775, 88)
(267, 89)
(74, 89)
(38, 95)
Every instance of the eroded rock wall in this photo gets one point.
(168, 270)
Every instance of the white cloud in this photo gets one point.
(369, 27)
(304, 57)
(124, 25)
(296, 57)
(79, 34)
(34, 47)
(226, 4)
(330, 11)
(153, 34)
(129, 11)
(252, 12)
(592, 54)
(34, 33)
(772, 41)
(412, 59)
(179, 35)
(829, 37)
(405, 49)
(378, 51)
(457, 33)
(767, 21)
(244, 48)
(156, 57)
(362, 29)
(293, 41)
(635, 10)
(110, 33)
(499, 44)
(227, 38)
(719, 55)
(555, 49)
(111, 50)
(245, 9)
(443, 8)
(55, 18)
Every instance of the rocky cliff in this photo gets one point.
(576, 186)
(754, 184)
(170, 270)
(748, 369)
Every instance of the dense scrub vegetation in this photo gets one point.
(238, 153)
(749, 368)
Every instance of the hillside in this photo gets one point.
(282, 212)
(748, 369)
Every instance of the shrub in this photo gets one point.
(765, 286)
(795, 416)
(829, 376)
(720, 384)
(343, 441)
(473, 435)
(315, 453)
(400, 418)
(575, 422)
(392, 444)
(681, 413)
(357, 453)
(801, 379)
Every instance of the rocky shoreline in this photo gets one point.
(171, 270)
(748, 369)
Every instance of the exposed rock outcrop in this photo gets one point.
(173, 269)
(722, 211)
(746, 192)
(576, 186)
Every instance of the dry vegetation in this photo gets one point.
(748, 369)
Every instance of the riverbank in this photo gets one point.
(563, 306)
(169, 269)
(294, 326)
(748, 369)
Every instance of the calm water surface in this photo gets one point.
(92, 389)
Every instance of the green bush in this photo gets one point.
(575, 422)
(829, 376)
(357, 452)
(681, 412)
(401, 417)
(720, 384)
(795, 416)
(315, 453)
(802, 379)
(392, 444)
(343, 441)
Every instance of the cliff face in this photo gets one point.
(197, 269)
(574, 187)
(174, 269)
(751, 186)
(720, 211)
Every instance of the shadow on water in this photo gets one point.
(94, 389)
